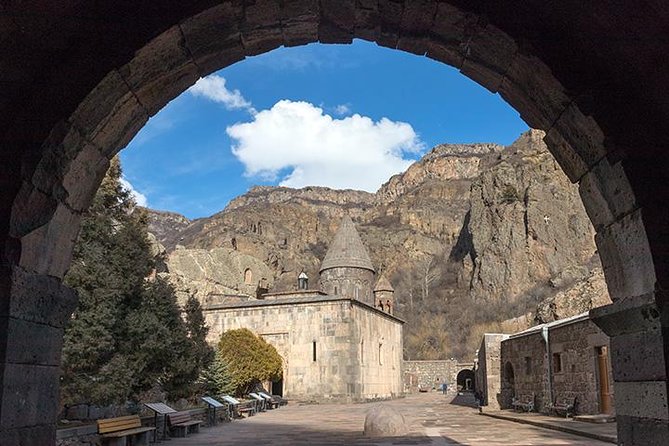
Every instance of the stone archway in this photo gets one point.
(465, 380)
(82, 79)
(508, 391)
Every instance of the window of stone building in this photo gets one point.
(313, 348)
(528, 365)
(335, 291)
(248, 276)
(557, 362)
(356, 292)
(380, 353)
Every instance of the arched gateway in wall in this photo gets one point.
(79, 79)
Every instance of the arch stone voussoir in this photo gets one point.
(626, 257)
(110, 115)
(160, 71)
(606, 193)
(213, 37)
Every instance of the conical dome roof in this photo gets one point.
(347, 249)
(383, 284)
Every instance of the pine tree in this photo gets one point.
(127, 333)
(216, 378)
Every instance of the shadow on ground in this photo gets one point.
(464, 399)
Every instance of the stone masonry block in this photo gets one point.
(639, 356)
(606, 193)
(413, 44)
(300, 22)
(261, 29)
(110, 115)
(417, 16)
(572, 165)
(300, 32)
(337, 21)
(83, 176)
(626, 258)
(30, 395)
(40, 299)
(213, 37)
(161, 70)
(645, 399)
(642, 431)
(31, 343)
(32, 209)
(581, 134)
(452, 25)
(632, 314)
(447, 53)
(530, 88)
(488, 55)
(48, 249)
(367, 20)
(58, 150)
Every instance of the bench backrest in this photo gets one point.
(108, 425)
(230, 399)
(178, 417)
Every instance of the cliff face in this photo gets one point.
(468, 224)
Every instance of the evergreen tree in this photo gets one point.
(216, 378)
(251, 359)
(127, 333)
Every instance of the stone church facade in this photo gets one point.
(336, 343)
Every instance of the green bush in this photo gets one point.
(250, 359)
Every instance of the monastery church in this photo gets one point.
(340, 342)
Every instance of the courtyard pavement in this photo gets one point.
(433, 419)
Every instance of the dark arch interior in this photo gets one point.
(465, 380)
(81, 79)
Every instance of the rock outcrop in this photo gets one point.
(481, 221)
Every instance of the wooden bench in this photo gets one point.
(566, 406)
(525, 403)
(248, 408)
(182, 424)
(116, 431)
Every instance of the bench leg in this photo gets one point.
(142, 439)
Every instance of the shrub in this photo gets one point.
(250, 359)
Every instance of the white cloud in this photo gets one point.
(342, 109)
(139, 198)
(318, 150)
(213, 88)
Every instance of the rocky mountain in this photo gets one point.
(466, 226)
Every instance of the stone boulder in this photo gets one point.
(384, 421)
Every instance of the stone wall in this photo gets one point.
(568, 370)
(578, 377)
(354, 283)
(489, 369)
(379, 341)
(320, 341)
(524, 369)
(430, 374)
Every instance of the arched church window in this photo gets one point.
(248, 276)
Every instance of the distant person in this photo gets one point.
(444, 387)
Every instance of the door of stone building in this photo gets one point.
(605, 405)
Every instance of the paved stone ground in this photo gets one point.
(433, 419)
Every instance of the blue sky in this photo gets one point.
(344, 116)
